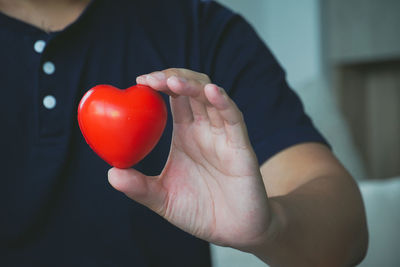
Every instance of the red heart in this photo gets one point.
(122, 126)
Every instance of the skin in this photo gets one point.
(48, 15)
(299, 208)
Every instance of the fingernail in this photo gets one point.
(158, 75)
(181, 79)
(178, 79)
(141, 79)
(174, 79)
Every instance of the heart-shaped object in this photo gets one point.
(122, 126)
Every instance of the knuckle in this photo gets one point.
(205, 77)
(172, 72)
(240, 115)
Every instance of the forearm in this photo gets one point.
(321, 223)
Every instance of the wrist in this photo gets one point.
(268, 242)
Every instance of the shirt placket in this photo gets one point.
(49, 108)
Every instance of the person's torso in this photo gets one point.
(57, 207)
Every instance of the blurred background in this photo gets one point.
(343, 59)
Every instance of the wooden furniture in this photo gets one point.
(361, 52)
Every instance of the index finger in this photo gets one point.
(176, 81)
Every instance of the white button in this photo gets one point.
(49, 68)
(49, 102)
(39, 46)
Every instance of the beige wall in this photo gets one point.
(362, 57)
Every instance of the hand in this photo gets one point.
(211, 185)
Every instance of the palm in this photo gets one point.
(212, 186)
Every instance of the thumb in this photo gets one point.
(144, 189)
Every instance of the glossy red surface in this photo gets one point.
(122, 126)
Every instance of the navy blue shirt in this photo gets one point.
(56, 206)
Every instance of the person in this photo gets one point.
(239, 163)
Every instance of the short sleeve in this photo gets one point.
(236, 59)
